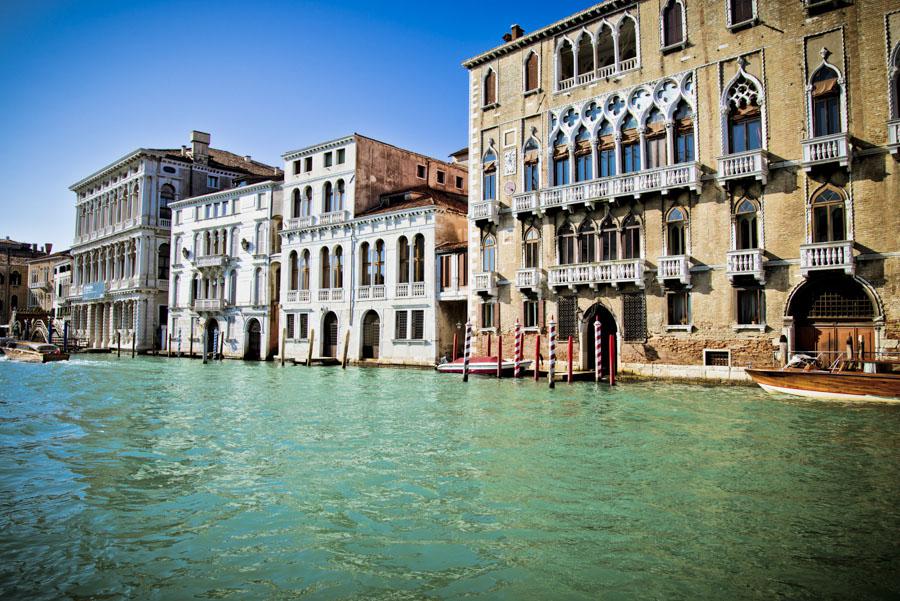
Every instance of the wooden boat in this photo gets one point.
(485, 366)
(33, 352)
(845, 379)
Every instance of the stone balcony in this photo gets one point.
(485, 283)
(753, 164)
(298, 296)
(893, 130)
(529, 279)
(827, 256)
(371, 292)
(614, 273)
(746, 262)
(211, 261)
(607, 72)
(453, 293)
(673, 267)
(414, 290)
(208, 305)
(325, 295)
(826, 150)
(488, 210)
(334, 217)
(298, 223)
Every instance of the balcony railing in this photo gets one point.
(599, 73)
(743, 165)
(337, 295)
(416, 289)
(529, 279)
(674, 267)
(209, 304)
(835, 148)
(296, 223)
(746, 262)
(893, 128)
(165, 222)
(324, 295)
(486, 282)
(488, 209)
(298, 296)
(333, 217)
(211, 261)
(527, 201)
(614, 273)
(370, 292)
(823, 256)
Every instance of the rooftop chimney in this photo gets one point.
(48, 247)
(247, 157)
(515, 32)
(200, 146)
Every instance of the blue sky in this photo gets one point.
(83, 83)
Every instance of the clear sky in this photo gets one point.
(84, 83)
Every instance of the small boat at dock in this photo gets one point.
(845, 379)
(33, 352)
(485, 366)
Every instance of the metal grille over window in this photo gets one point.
(304, 326)
(290, 326)
(418, 325)
(835, 305)
(568, 322)
(717, 358)
(400, 325)
(635, 316)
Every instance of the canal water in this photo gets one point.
(166, 479)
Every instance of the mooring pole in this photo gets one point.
(203, 352)
(598, 350)
(551, 370)
(118, 343)
(499, 355)
(168, 345)
(570, 349)
(309, 351)
(612, 360)
(467, 351)
(455, 342)
(191, 344)
(346, 348)
(65, 336)
(283, 338)
(517, 351)
(221, 346)
(490, 344)
(537, 357)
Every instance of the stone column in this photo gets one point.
(88, 322)
(141, 321)
(670, 143)
(113, 326)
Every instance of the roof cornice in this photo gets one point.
(222, 194)
(117, 164)
(293, 154)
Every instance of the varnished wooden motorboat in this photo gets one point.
(847, 380)
(33, 352)
(485, 366)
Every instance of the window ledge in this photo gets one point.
(487, 107)
(409, 341)
(536, 90)
(743, 24)
(487, 331)
(532, 330)
(680, 328)
(673, 47)
(757, 327)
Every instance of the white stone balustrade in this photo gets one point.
(835, 148)
(823, 256)
(488, 209)
(530, 278)
(211, 261)
(746, 262)
(333, 217)
(209, 304)
(485, 282)
(614, 273)
(751, 164)
(674, 267)
(370, 292)
(893, 129)
(297, 223)
(526, 201)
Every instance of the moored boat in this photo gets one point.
(33, 352)
(845, 379)
(485, 366)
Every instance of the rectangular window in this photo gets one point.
(178, 217)
(418, 324)
(560, 172)
(741, 11)
(400, 318)
(290, 326)
(307, 164)
(607, 159)
(446, 263)
(568, 320)
(341, 156)
(684, 147)
(463, 269)
(208, 211)
(583, 170)
(532, 177)
(459, 182)
(490, 186)
(420, 171)
(826, 115)
(303, 334)
(328, 159)
(750, 306)
(297, 167)
(212, 181)
(634, 308)
(678, 308)
(631, 157)
(656, 153)
(487, 315)
(530, 313)
(441, 176)
(746, 135)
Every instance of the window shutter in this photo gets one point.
(497, 316)
(541, 315)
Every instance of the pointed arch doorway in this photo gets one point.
(330, 335)
(607, 328)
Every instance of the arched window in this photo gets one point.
(162, 262)
(166, 196)
(176, 284)
(328, 198)
(560, 160)
(15, 279)
(631, 146)
(684, 133)
(583, 159)
(631, 238)
(829, 224)
(339, 200)
(293, 271)
(675, 224)
(337, 268)
(325, 268)
(232, 290)
(532, 249)
(531, 161)
(606, 150)
(673, 23)
(306, 209)
(565, 65)
(419, 258)
(366, 267)
(296, 203)
(402, 260)
(378, 263)
(489, 176)
(260, 238)
(656, 140)
(608, 235)
(531, 72)
(490, 88)
(627, 42)
(488, 253)
(826, 102)
(606, 52)
(14, 302)
(894, 73)
(585, 54)
(744, 120)
(565, 237)
(746, 230)
(257, 287)
(304, 271)
(587, 242)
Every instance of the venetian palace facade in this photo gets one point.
(707, 178)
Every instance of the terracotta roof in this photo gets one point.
(223, 159)
(450, 247)
(422, 196)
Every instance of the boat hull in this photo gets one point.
(483, 368)
(28, 356)
(844, 386)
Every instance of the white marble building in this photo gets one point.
(225, 271)
(121, 250)
(362, 221)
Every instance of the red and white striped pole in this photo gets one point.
(598, 350)
(552, 365)
(517, 366)
(467, 351)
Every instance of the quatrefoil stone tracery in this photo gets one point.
(743, 93)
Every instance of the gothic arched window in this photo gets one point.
(675, 232)
(746, 228)
(829, 223)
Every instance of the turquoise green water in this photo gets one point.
(165, 479)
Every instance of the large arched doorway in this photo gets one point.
(607, 328)
(371, 326)
(274, 303)
(329, 335)
(212, 337)
(830, 312)
(254, 335)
